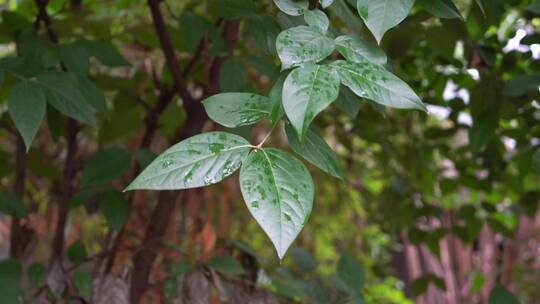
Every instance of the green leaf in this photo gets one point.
(11, 205)
(315, 150)
(306, 92)
(302, 44)
(373, 82)
(359, 50)
(226, 265)
(536, 161)
(264, 29)
(346, 15)
(292, 7)
(348, 102)
(105, 52)
(233, 76)
(83, 282)
(278, 191)
(192, 28)
(482, 131)
(232, 9)
(114, 207)
(303, 259)
(382, 15)
(105, 166)
(237, 109)
(441, 8)
(500, 295)
(317, 18)
(92, 94)
(63, 94)
(26, 105)
(36, 273)
(75, 58)
(534, 7)
(521, 85)
(275, 96)
(198, 161)
(351, 272)
(77, 252)
(326, 3)
(10, 281)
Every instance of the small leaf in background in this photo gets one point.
(359, 50)
(27, 104)
(36, 274)
(420, 285)
(237, 109)
(10, 281)
(292, 7)
(326, 3)
(275, 96)
(278, 191)
(11, 205)
(350, 272)
(75, 58)
(114, 207)
(315, 150)
(232, 9)
(347, 15)
(382, 15)
(83, 283)
(317, 18)
(92, 94)
(500, 295)
(198, 161)
(303, 259)
(226, 265)
(171, 120)
(536, 161)
(180, 268)
(482, 132)
(62, 93)
(307, 91)
(105, 166)
(373, 82)
(76, 252)
(264, 29)
(192, 28)
(534, 7)
(233, 76)
(521, 85)
(441, 8)
(348, 102)
(302, 44)
(105, 52)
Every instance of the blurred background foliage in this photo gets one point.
(438, 208)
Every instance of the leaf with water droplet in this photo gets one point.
(292, 7)
(359, 50)
(237, 109)
(198, 161)
(306, 92)
(278, 191)
(374, 82)
(276, 112)
(302, 44)
(315, 150)
(317, 18)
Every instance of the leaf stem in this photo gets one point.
(259, 146)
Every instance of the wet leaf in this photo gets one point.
(315, 150)
(359, 50)
(26, 105)
(278, 191)
(302, 44)
(275, 96)
(317, 18)
(237, 109)
(326, 3)
(306, 92)
(382, 15)
(292, 7)
(373, 82)
(198, 161)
